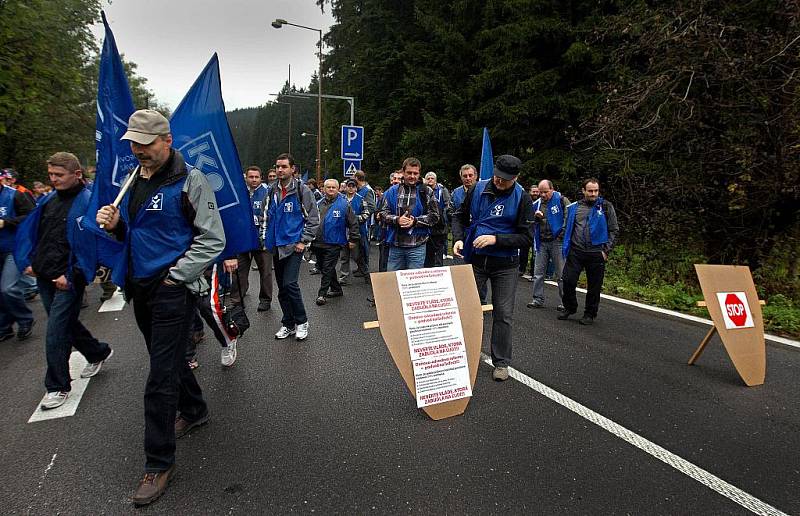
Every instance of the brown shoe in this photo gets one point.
(152, 485)
(184, 426)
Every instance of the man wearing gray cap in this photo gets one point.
(491, 225)
(171, 231)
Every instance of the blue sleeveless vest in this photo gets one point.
(390, 198)
(257, 199)
(492, 217)
(286, 219)
(457, 197)
(7, 211)
(555, 218)
(334, 229)
(598, 226)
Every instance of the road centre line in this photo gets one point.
(76, 364)
(711, 481)
(774, 338)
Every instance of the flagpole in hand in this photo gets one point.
(123, 190)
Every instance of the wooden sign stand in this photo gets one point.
(744, 341)
(392, 326)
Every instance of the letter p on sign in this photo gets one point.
(735, 310)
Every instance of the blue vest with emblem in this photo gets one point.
(555, 218)
(257, 198)
(7, 234)
(334, 226)
(159, 235)
(598, 226)
(492, 217)
(286, 219)
(391, 205)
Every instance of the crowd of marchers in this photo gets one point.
(172, 270)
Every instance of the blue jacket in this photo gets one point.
(286, 220)
(334, 225)
(83, 243)
(390, 204)
(598, 226)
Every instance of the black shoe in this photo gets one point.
(535, 304)
(561, 308)
(23, 332)
(321, 300)
(313, 271)
(564, 316)
(263, 305)
(587, 320)
(6, 335)
(334, 293)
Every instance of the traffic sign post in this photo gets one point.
(352, 142)
(350, 167)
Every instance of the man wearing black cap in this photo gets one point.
(491, 225)
(172, 231)
(360, 209)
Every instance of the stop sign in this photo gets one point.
(734, 308)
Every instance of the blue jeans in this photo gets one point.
(548, 251)
(501, 272)
(65, 331)
(287, 272)
(12, 300)
(406, 258)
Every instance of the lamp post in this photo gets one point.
(290, 121)
(278, 23)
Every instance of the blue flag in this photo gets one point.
(487, 159)
(201, 133)
(114, 157)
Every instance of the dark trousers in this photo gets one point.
(363, 245)
(264, 261)
(434, 250)
(65, 331)
(287, 272)
(326, 263)
(502, 274)
(357, 255)
(164, 315)
(524, 259)
(595, 267)
(383, 258)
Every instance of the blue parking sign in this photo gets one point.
(352, 142)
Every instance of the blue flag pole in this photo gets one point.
(115, 160)
(487, 159)
(200, 131)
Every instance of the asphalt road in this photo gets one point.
(327, 425)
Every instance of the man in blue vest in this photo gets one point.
(590, 232)
(48, 250)
(171, 231)
(368, 194)
(292, 220)
(15, 205)
(338, 229)
(395, 178)
(550, 215)
(492, 224)
(360, 208)
(437, 244)
(260, 199)
(468, 175)
(409, 211)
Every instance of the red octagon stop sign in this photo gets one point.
(734, 307)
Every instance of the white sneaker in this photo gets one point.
(284, 332)
(92, 369)
(54, 399)
(228, 355)
(302, 331)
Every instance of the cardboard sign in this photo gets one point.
(732, 302)
(427, 321)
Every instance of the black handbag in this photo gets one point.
(233, 316)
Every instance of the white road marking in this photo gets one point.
(774, 338)
(114, 304)
(709, 480)
(76, 365)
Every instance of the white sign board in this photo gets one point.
(735, 310)
(435, 337)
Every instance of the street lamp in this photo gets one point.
(278, 23)
(307, 134)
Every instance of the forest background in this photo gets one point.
(686, 111)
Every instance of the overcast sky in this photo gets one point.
(172, 40)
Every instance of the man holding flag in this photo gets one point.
(171, 230)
